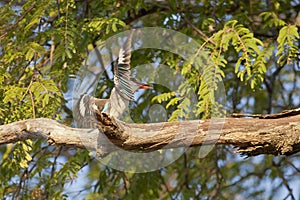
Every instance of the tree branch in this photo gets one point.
(203, 35)
(252, 136)
(18, 20)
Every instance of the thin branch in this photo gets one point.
(186, 172)
(206, 38)
(32, 104)
(17, 21)
(284, 181)
(282, 114)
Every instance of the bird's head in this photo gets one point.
(141, 85)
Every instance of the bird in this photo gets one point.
(124, 85)
(123, 92)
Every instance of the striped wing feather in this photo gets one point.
(122, 72)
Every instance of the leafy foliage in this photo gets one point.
(287, 47)
(247, 48)
(252, 47)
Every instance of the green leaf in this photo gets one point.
(287, 44)
(173, 102)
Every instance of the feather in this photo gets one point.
(122, 74)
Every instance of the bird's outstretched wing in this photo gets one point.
(122, 72)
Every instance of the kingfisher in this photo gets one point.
(123, 92)
(124, 85)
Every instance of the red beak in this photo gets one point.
(145, 86)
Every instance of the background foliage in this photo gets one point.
(254, 46)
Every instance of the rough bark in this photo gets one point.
(273, 134)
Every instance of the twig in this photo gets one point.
(206, 38)
(17, 21)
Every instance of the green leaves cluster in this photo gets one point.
(204, 80)
(250, 65)
(99, 24)
(247, 47)
(42, 45)
(32, 100)
(287, 40)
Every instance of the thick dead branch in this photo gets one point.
(252, 136)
